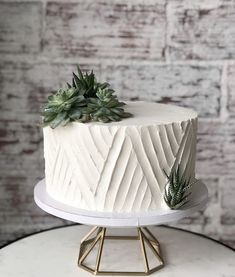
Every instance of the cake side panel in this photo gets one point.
(61, 173)
(136, 163)
(164, 148)
(124, 185)
(116, 169)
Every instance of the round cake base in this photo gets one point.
(197, 201)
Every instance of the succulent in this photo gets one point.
(85, 100)
(106, 106)
(86, 84)
(64, 106)
(177, 189)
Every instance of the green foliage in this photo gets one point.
(177, 189)
(85, 100)
(86, 84)
(64, 106)
(106, 106)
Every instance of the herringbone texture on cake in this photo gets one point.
(116, 169)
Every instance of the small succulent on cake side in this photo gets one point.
(177, 189)
(84, 100)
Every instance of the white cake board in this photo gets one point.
(197, 201)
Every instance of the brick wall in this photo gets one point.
(169, 51)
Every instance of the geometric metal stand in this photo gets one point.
(95, 239)
(97, 235)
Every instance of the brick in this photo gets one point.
(21, 166)
(13, 228)
(20, 27)
(228, 193)
(102, 29)
(231, 90)
(190, 86)
(21, 148)
(227, 201)
(216, 148)
(213, 190)
(26, 86)
(201, 30)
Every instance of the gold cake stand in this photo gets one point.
(97, 235)
(93, 243)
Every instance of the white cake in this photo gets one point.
(118, 166)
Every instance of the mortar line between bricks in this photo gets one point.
(32, 59)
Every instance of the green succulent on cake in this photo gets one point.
(106, 106)
(177, 189)
(83, 101)
(64, 106)
(86, 83)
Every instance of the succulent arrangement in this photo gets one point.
(84, 100)
(177, 189)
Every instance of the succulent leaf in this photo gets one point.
(87, 83)
(178, 189)
(58, 119)
(106, 106)
(60, 106)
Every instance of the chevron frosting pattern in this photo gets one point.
(118, 167)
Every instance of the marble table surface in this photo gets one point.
(55, 252)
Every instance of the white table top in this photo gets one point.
(55, 252)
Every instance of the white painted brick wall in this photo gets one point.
(170, 51)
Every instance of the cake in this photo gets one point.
(121, 166)
(105, 155)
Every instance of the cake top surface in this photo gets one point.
(149, 113)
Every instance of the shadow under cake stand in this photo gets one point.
(102, 220)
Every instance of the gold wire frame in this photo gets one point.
(98, 235)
